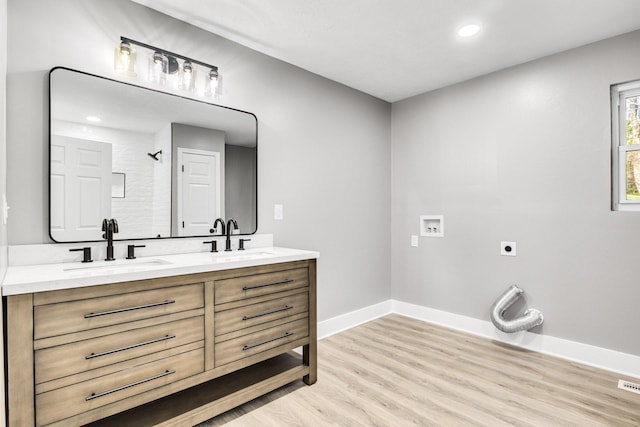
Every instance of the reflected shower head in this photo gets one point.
(154, 156)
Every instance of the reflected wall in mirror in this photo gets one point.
(186, 162)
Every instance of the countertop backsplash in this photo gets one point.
(59, 252)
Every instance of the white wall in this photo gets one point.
(323, 148)
(522, 155)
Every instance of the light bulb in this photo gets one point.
(125, 59)
(188, 76)
(158, 65)
(211, 83)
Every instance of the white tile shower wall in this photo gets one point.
(161, 217)
(51, 254)
(135, 210)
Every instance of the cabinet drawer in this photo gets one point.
(255, 314)
(68, 317)
(65, 402)
(239, 288)
(69, 359)
(248, 345)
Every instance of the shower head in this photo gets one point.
(154, 156)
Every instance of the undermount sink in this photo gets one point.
(237, 256)
(119, 265)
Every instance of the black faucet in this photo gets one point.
(109, 226)
(215, 226)
(235, 227)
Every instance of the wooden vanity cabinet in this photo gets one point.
(169, 351)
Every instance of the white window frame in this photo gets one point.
(619, 149)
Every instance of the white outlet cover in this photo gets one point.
(278, 212)
(414, 241)
(508, 248)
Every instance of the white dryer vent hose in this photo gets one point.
(530, 319)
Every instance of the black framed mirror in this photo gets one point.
(186, 161)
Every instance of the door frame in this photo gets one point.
(216, 155)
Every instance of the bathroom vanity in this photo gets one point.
(174, 340)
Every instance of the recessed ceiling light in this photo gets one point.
(469, 30)
(93, 119)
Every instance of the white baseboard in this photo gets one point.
(598, 357)
(352, 319)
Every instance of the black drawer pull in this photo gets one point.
(277, 310)
(129, 347)
(124, 387)
(247, 288)
(248, 347)
(122, 310)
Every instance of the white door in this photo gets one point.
(198, 191)
(80, 188)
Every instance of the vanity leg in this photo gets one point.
(309, 358)
(20, 378)
(310, 351)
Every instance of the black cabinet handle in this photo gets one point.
(124, 387)
(278, 310)
(129, 347)
(248, 347)
(121, 310)
(248, 288)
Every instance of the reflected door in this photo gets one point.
(80, 188)
(198, 191)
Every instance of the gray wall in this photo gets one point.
(523, 155)
(323, 148)
(240, 185)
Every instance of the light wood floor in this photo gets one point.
(397, 371)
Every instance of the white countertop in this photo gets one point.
(49, 277)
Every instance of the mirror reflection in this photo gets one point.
(186, 162)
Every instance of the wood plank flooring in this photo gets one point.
(397, 371)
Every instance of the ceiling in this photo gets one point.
(395, 49)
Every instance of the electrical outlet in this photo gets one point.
(508, 248)
(278, 212)
(414, 241)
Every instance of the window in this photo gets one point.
(625, 108)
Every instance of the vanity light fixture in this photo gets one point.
(168, 69)
(469, 30)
